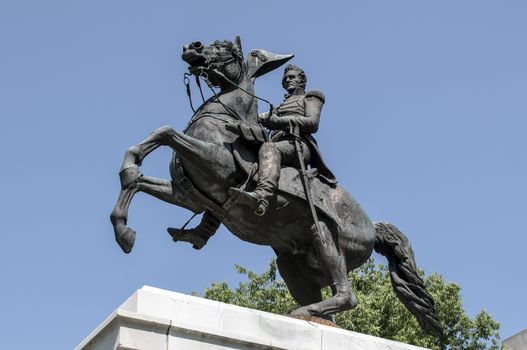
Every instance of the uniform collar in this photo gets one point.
(298, 92)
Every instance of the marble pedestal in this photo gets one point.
(516, 342)
(156, 319)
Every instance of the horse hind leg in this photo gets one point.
(298, 277)
(333, 267)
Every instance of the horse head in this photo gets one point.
(221, 62)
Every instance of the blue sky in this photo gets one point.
(424, 125)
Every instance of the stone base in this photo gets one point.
(516, 342)
(156, 319)
(318, 320)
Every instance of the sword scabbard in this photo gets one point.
(305, 181)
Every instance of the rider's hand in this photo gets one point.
(263, 117)
(267, 120)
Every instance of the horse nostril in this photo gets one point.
(185, 48)
(196, 45)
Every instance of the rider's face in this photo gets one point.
(292, 80)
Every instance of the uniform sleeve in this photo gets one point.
(308, 123)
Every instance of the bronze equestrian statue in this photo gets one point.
(218, 150)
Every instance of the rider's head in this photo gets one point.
(294, 77)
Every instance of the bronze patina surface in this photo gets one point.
(262, 176)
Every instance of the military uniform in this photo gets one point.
(297, 110)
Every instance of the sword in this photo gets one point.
(305, 181)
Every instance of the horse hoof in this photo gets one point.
(126, 240)
(129, 175)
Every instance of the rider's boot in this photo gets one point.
(268, 175)
(199, 235)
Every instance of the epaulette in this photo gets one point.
(316, 93)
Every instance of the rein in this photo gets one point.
(215, 66)
(203, 75)
(247, 92)
(186, 82)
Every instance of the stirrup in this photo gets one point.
(246, 198)
(250, 199)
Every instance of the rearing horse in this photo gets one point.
(204, 167)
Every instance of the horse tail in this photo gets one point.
(407, 284)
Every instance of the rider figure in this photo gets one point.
(299, 110)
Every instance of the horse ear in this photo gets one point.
(238, 42)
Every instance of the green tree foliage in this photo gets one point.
(379, 312)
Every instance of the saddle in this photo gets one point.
(290, 182)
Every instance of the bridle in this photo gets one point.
(215, 67)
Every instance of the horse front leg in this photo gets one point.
(165, 190)
(129, 175)
(209, 156)
(132, 180)
(134, 156)
(124, 235)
